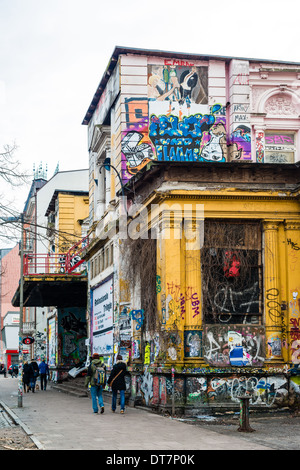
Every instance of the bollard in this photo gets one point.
(173, 392)
(244, 415)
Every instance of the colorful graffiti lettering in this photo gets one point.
(221, 345)
(178, 139)
(158, 284)
(263, 391)
(138, 317)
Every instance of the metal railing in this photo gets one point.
(74, 256)
(28, 327)
(58, 264)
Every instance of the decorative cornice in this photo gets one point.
(271, 224)
(292, 225)
(161, 196)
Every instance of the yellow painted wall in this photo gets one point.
(179, 272)
(72, 208)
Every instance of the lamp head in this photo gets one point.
(106, 164)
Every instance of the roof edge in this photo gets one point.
(159, 53)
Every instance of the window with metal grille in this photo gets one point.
(231, 272)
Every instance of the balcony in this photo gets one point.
(57, 264)
(54, 280)
(28, 327)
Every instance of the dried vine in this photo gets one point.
(139, 262)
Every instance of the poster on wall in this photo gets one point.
(72, 333)
(102, 322)
(52, 342)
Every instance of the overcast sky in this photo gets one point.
(53, 54)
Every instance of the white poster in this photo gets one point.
(103, 318)
(52, 342)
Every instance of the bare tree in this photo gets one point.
(11, 177)
(10, 167)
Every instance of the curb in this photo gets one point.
(25, 428)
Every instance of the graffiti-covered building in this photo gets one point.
(194, 227)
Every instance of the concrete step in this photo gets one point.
(73, 387)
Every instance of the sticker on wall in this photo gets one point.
(193, 343)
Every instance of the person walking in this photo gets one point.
(27, 376)
(116, 381)
(14, 371)
(96, 377)
(44, 373)
(35, 374)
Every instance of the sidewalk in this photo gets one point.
(63, 422)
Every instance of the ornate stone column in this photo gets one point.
(272, 295)
(292, 244)
(170, 261)
(190, 302)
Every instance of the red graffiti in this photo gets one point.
(295, 331)
(231, 265)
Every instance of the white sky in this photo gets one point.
(53, 54)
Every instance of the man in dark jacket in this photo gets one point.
(117, 382)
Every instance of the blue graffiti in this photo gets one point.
(180, 140)
(138, 316)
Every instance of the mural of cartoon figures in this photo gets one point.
(241, 143)
(155, 86)
(188, 81)
(235, 152)
(215, 149)
(136, 153)
(184, 84)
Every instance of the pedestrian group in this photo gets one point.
(96, 379)
(31, 371)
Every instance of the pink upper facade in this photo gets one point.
(10, 277)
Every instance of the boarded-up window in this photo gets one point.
(231, 272)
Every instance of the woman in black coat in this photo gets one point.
(116, 381)
(27, 376)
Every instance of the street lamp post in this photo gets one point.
(20, 375)
(107, 165)
(20, 381)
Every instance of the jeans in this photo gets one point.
(32, 383)
(96, 393)
(114, 399)
(43, 378)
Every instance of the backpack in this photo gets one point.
(99, 375)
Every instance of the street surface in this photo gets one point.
(57, 421)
